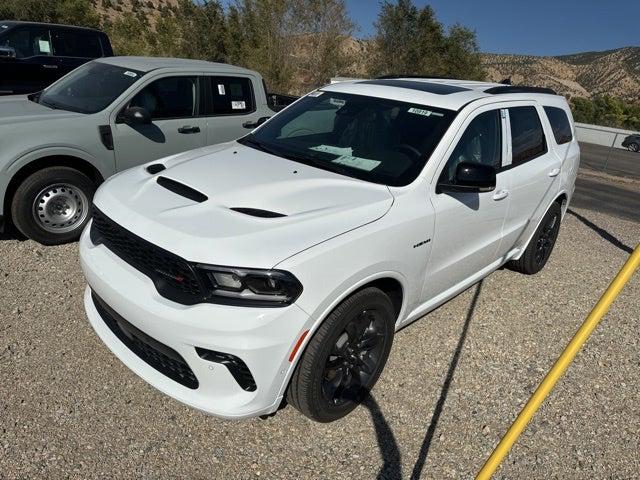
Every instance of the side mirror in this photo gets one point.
(136, 116)
(471, 177)
(7, 52)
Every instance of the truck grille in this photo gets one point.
(161, 357)
(173, 276)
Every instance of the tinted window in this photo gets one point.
(559, 124)
(171, 97)
(374, 139)
(230, 95)
(527, 136)
(480, 143)
(76, 43)
(89, 88)
(28, 42)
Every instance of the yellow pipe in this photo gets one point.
(561, 365)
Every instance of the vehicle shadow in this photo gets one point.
(389, 450)
(435, 418)
(602, 232)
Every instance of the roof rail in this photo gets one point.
(426, 77)
(519, 89)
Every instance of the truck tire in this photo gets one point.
(541, 245)
(52, 205)
(345, 357)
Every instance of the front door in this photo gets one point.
(468, 225)
(176, 126)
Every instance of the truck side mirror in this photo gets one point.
(136, 116)
(7, 53)
(471, 177)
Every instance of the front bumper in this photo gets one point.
(261, 337)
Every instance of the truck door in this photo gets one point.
(176, 125)
(231, 107)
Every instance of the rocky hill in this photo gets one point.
(613, 72)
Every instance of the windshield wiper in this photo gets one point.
(52, 106)
(259, 145)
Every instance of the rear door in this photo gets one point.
(534, 169)
(74, 47)
(231, 107)
(176, 126)
(34, 66)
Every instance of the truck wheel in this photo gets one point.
(634, 147)
(52, 205)
(345, 357)
(539, 249)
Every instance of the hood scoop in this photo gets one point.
(257, 212)
(182, 189)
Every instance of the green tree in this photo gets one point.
(72, 12)
(410, 40)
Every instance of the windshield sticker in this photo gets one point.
(426, 113)
(221, 89)
(357, 162)
(340, 151)
(317, 93)
(238, 105)
(131, 74)
(44, 46)
(4, 26)
(338, 102)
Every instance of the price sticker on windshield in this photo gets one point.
(425, 113)
(131, 74)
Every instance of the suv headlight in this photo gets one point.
(250, 287)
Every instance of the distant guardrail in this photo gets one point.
(599, 135)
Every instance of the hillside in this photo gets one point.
(613, 72)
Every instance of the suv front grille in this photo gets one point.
(173, 276)
(161, 357)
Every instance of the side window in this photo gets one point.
(171, 97)
(480, 143)
(527, 136)
(559, 124)
(76, 43)
(230, 96)
(28, 42)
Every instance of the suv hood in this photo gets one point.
(316, 205)
(19, 109)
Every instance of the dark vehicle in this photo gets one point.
(34, 55)
(632, 143)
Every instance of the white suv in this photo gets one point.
(279, 266)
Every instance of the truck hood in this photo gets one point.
(315, 205)
(16, 109)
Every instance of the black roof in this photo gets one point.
(429, 87)
(19, 22)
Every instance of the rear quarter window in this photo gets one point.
(559, 124)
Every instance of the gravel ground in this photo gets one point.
(454, 382)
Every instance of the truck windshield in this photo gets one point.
(373, 139)
(89, 88)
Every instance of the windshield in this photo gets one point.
(89, 88)
(373, 139)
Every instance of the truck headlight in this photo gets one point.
(250, 287)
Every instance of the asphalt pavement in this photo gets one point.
(613, 161)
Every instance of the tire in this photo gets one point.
(634, 147)
(541, 245)
(52, 205)
(368, 316)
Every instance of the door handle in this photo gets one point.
(189, 129)
(501, 194)
(554, 173)
(255, 124)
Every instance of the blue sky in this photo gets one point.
(535, 27)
